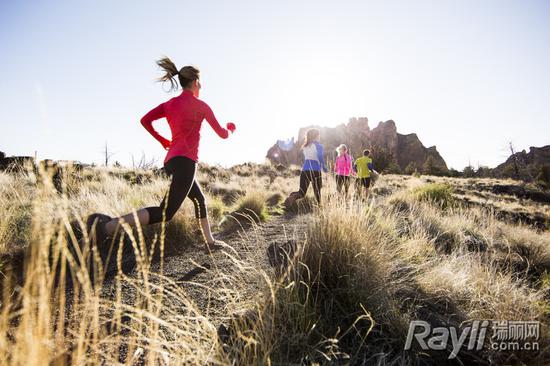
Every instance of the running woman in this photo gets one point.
(185, 114)
(363, 166)
(313, 164)
(343, 166)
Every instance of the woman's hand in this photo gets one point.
(231, 127)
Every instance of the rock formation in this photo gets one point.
(396, 150)
(528, 164)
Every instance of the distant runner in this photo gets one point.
(314, 163)
(185, 114)
(364, 167)
(343, 167)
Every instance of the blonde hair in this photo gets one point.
(311, 135)
(342, 147)
(186, 75)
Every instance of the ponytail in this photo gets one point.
(186, 75)
(170, 70)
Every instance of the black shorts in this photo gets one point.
(365, 182)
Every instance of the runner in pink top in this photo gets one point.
(343, 166)
(184, 114)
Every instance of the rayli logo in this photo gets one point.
(438, 338)
(506, 336)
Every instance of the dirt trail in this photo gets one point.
(226, 279)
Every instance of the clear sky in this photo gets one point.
(466, 76)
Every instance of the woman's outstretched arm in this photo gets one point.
(147, 122)
(213, 122)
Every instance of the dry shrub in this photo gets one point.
(336, 302)
(521, 249)
(480, 289)
(440, 194)
(216, 208)
(17, 191)
(248, 209)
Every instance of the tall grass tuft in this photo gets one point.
(336, 301)
(248, 209)
(440, 194)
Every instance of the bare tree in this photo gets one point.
(143, 163)
(107, 154)
(514, 159)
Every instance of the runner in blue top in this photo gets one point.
(314, 162)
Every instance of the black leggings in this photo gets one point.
(313, 177)
(182, 170)
(342, 180)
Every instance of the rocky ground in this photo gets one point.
(203, 273)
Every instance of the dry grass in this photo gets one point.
(246, 210)
(358, 275)
(16, 196)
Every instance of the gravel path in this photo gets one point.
(226, 280)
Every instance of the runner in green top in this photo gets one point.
(363, 166)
